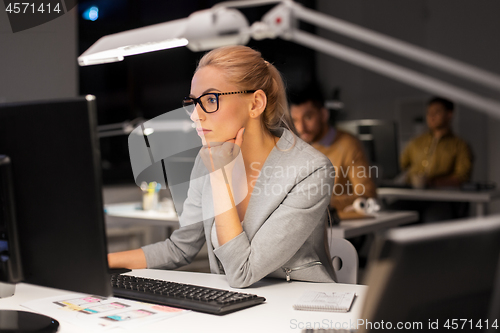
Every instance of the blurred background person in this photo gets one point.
(437, 158)
(345, 151)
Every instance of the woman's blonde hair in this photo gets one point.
(247, 69)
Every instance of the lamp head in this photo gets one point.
(216, 27)
(202, 30)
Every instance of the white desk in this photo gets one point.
(381, 221)
(132, 213)
(275, 315)
(128, 221)
(478, 198)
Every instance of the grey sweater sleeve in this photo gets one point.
(283, 233)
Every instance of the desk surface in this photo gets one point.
(132, 213)
(382, 220)
(437, 195)
(119, 214)
(275, 315)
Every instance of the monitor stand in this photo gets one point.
(21, 321)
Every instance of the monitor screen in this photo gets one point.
(55, 165)
(380, 141)
(427, 276)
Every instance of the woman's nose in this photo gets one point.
(197, 112)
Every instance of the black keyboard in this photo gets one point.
(186, 296)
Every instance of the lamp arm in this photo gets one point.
(416, 53)
(281, 22)
(223, 25)
(396, 46)
(397, 72)
(247, 3)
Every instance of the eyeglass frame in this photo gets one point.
(217, 94)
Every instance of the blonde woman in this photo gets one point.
(276, 228)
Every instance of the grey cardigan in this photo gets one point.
(284, 226)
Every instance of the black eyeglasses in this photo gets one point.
(209, 102)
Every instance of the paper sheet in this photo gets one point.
(98, 313)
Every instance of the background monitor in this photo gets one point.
(380, 140)
(434, 273)
(56, 175)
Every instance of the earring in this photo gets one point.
(252, 114)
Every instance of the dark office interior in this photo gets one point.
(41, 64)
(149, 85)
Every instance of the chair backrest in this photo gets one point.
(344, 259)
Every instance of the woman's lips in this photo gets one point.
(202, 131)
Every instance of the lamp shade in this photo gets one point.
(202, 30)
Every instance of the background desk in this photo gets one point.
(130, 214)
(134, 227)
(381, 221)
(478, 198)
(129, 227)
(276, 315)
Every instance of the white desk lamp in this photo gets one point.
(224, 25)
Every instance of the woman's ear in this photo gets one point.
(259, 103)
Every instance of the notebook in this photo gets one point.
(325, 301)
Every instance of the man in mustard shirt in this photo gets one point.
(352, 178)
(438, 158)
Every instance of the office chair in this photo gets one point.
(345, 260)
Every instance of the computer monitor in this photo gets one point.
(10, 254)
(56, 178)
(380, 141)
(432, 277)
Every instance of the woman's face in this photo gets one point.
(233, 112)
